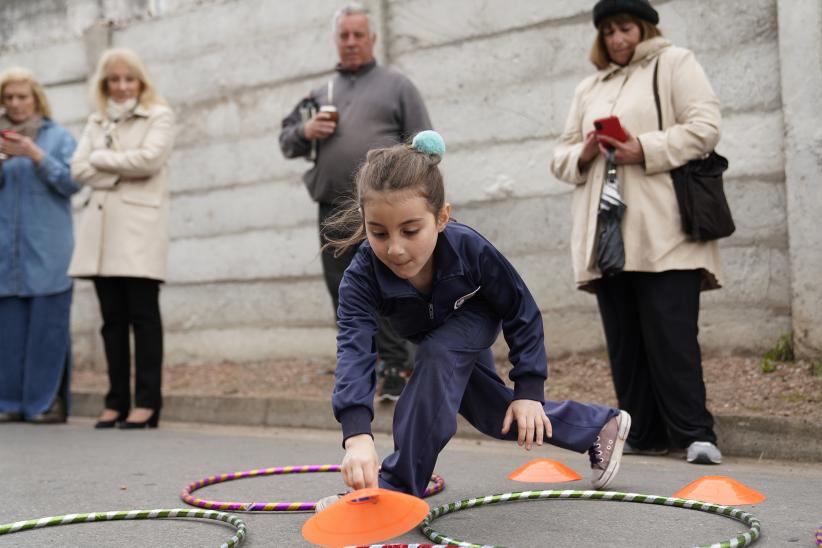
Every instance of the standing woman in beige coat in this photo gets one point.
(123, 235)
(650, 309)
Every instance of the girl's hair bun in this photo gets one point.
(428, 142)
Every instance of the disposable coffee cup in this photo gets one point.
(332, 112)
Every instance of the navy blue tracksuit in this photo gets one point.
(476, 292)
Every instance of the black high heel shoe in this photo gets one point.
(151, 422)
(112, 423)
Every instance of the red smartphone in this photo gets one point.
(611, 127)
(5, 132)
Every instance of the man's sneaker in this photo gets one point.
(652, 452)
(325, 502)
(704, 452)
(606, 451)
(392, 385)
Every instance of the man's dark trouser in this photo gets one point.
(393, 350)
(650, 322)
(124, 303)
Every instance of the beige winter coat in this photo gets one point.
(124, 226)
(651, 228)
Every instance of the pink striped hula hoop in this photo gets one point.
(438, 484)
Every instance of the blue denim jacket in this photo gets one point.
(36, 239)
(466, 267)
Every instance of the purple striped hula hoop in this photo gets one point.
(438, 484)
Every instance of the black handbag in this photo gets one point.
(699, 191)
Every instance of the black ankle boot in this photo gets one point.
(151, 422)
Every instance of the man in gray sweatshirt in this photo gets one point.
(375, 107)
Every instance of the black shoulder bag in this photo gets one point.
(699, 191)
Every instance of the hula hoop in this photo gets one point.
(743, 539)
(161, 513)
(307, 506)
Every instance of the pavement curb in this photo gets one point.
(741, 436)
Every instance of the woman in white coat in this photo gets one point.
(650, 309)
(123, 235)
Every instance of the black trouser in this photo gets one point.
(650, 322)
(135, 303)
(393, 350)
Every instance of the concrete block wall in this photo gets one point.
(245, 280)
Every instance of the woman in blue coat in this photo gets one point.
(36, 243)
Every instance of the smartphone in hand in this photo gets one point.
(611, 127)
(3, 133)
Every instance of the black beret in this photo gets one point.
(641, 9)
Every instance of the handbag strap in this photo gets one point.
(656, 94)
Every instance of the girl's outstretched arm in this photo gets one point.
(361, 464)
(532, 422)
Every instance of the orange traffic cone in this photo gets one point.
(720, 490)
(365, 516)
(544, 471)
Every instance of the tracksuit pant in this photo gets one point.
(454, 373)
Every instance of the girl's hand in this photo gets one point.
(590, 149)
(14, 144)
(532, 422)
(629, 152)
(360, 465)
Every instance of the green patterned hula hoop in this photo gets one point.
(161, 513)
(743, 539)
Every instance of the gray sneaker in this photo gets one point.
(704, 452)
(325, 502)
(606, 452)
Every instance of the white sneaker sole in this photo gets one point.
(613, 466)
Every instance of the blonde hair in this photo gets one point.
(23, 75)
(122, 56)
(599, 53)
(398, 168)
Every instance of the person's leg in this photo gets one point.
(669, 313)
(47, 352)
(629, 365)
(333, 267)
(575, 425)
(14, 323)
(425, 417)
(111, 294)
(144, 315)
(393, 350)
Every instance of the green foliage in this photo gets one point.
(816, 368)
(767, 365)
(782, 351)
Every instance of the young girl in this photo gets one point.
(447, 289)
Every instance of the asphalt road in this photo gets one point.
(61, 469)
